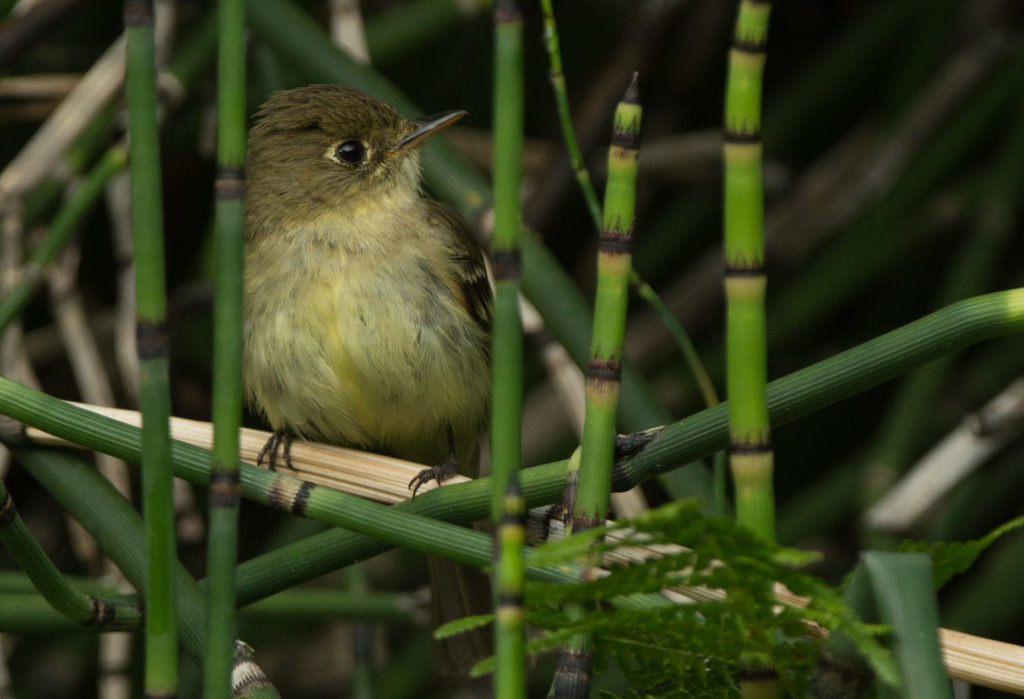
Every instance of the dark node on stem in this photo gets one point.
(138, 13)
(151, 340)
(742, 267)
(626, 136)
(742, 137)
(751, 47)
(230, 183)
(630, 444)
(604, 370)
(302, 498)
(7, 510)
(510, 599)
(224, 489)
(758, 674)
(103, 612)
(506, 12)
(582, 523)
(751, 448)
(615, 243)
(506, 265)
(572, 674)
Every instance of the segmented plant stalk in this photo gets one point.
(605, 366)
(588, 507)
(507, 352)
(229, 238)
(579, 168)
(750, 453)
(83, 609)
(151, 311)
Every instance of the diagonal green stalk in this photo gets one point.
(507, 354)
(151, 310)
(789, 398)
(224, 492)
(82, 609)
(750, 452)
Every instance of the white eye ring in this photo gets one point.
(352, 152)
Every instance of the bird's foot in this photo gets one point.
(441, 472)
(282, 440)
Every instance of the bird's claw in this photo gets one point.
(441, 472)
(282, 440)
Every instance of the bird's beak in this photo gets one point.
(424, 127)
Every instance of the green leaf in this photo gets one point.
(950, 558)
(466, 623)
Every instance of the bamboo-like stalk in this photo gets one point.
(613, 265)
(579, 168)
(750, 453)
(507, 353)
(83, 609)
(224, 491)
(151, 308)
(588, 507)
(750, 450)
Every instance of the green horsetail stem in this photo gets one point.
(588, 506)
(750, 450)
(507, 353)
(750, 454)
(154, 384)
(613, 264)
(579, 168)
(83, 609)
(229, 237)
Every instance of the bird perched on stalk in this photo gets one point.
(367, 306)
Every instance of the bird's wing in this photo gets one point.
(470, 273)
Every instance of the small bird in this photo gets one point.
(367, 305)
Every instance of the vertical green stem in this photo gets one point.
(750, 442)
(506, 419)
(613, 266)
(596, 454)
(750, 451)
(224, 494)
(151, 310)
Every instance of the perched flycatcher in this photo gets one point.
(367, 306)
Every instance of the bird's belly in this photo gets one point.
(366, 360)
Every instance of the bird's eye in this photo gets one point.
(351, 152)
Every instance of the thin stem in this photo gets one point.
(224, 493)
(151, 305)
(750, 445)
(507, 352)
